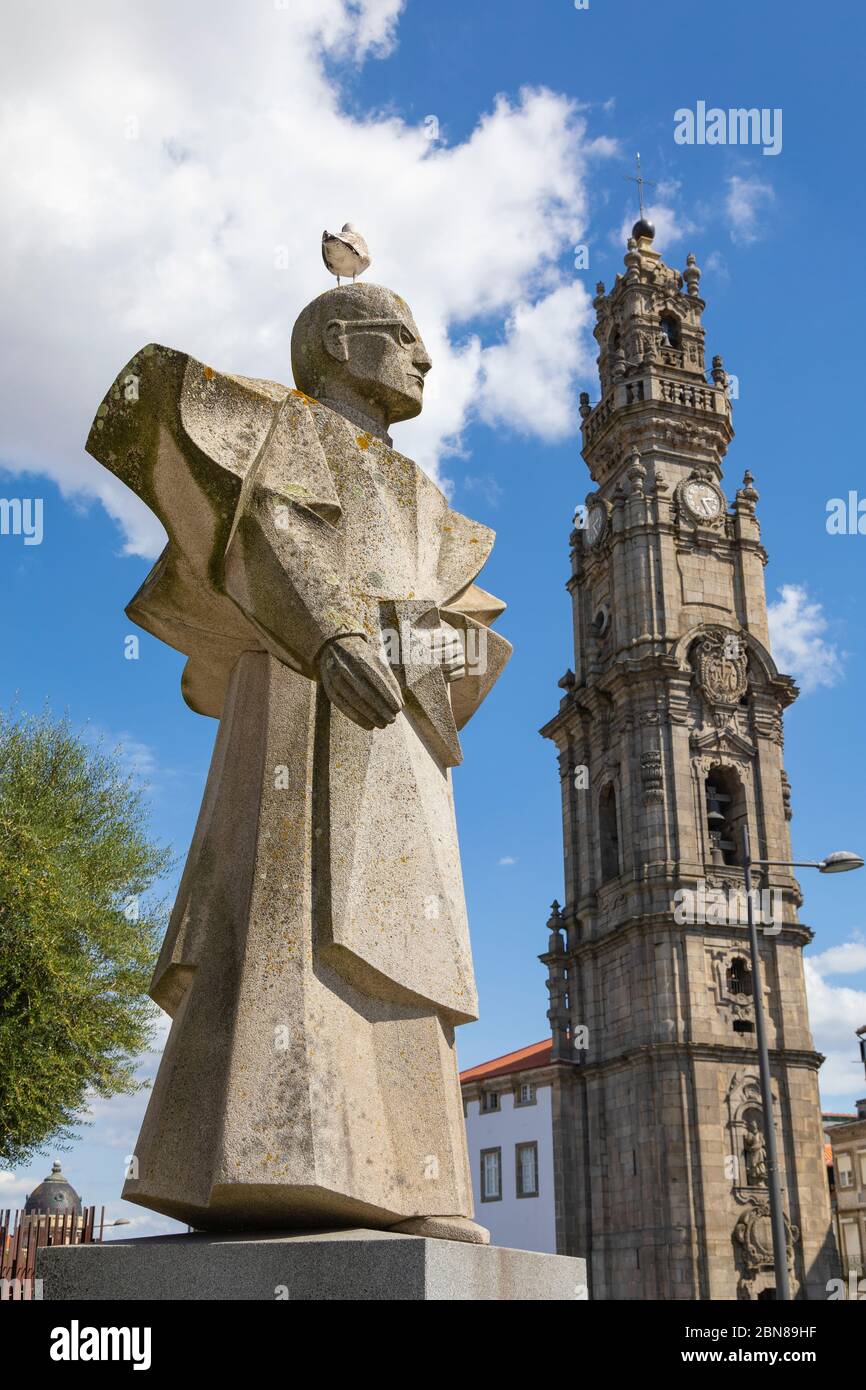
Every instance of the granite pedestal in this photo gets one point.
(349, 1265)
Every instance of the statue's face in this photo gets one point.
(384, 358)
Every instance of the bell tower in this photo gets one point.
(669, 734)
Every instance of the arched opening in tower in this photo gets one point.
(725, 812)
(608, 830)
(739, 977)
(670, 328)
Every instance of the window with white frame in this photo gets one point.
(844, 1170)
(525, 1094)
(489, 1101)
(491, 1175)
(862, 1157)
(527, 1169)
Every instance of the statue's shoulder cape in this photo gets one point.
(192, 442)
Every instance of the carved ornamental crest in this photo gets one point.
(753, 1239)
(721, 665)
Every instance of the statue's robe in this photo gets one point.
(317, 959)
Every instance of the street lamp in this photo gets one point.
(840, 862)
(103, 1225)
(837, 863)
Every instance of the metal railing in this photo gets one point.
(22, 1234)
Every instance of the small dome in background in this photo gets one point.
(643, 228)
(54, 1196)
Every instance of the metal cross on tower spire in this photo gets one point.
(640, 181)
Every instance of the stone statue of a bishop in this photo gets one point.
(317, 959)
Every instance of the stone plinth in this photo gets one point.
(345, 1265)
(350, 1265)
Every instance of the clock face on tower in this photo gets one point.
(702, 500)
(596, 523)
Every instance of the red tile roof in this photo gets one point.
(536, 1055)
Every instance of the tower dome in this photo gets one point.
(55, 1196)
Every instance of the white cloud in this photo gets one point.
(14, 1190)
(796, 627)
(507, 859)
(847, 959)
(745, 200)
(667, 189)
(155, 161)
(137, 759)
(717, 265)
(486, 485)
(835, 1013)
(526, 379)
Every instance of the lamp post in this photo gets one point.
(103, 1225)
(837, 863)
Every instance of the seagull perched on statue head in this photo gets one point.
(346, 252)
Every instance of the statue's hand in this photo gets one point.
(452, 655)
(359, 683)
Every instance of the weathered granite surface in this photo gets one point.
(317, 960)
(352, 1265)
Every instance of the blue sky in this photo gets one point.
(148, 198)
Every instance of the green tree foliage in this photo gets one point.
(77, 934)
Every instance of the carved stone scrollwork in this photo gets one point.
(725, 720)
(703, 766)
(753, 1242)
(768, 723)
(721, 666)
(651, 776)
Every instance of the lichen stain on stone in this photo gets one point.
(209, 373)
(363, 441)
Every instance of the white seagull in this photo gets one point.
(345, 253)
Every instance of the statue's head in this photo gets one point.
(359, 345)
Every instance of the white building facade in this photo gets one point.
(508, 1105)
